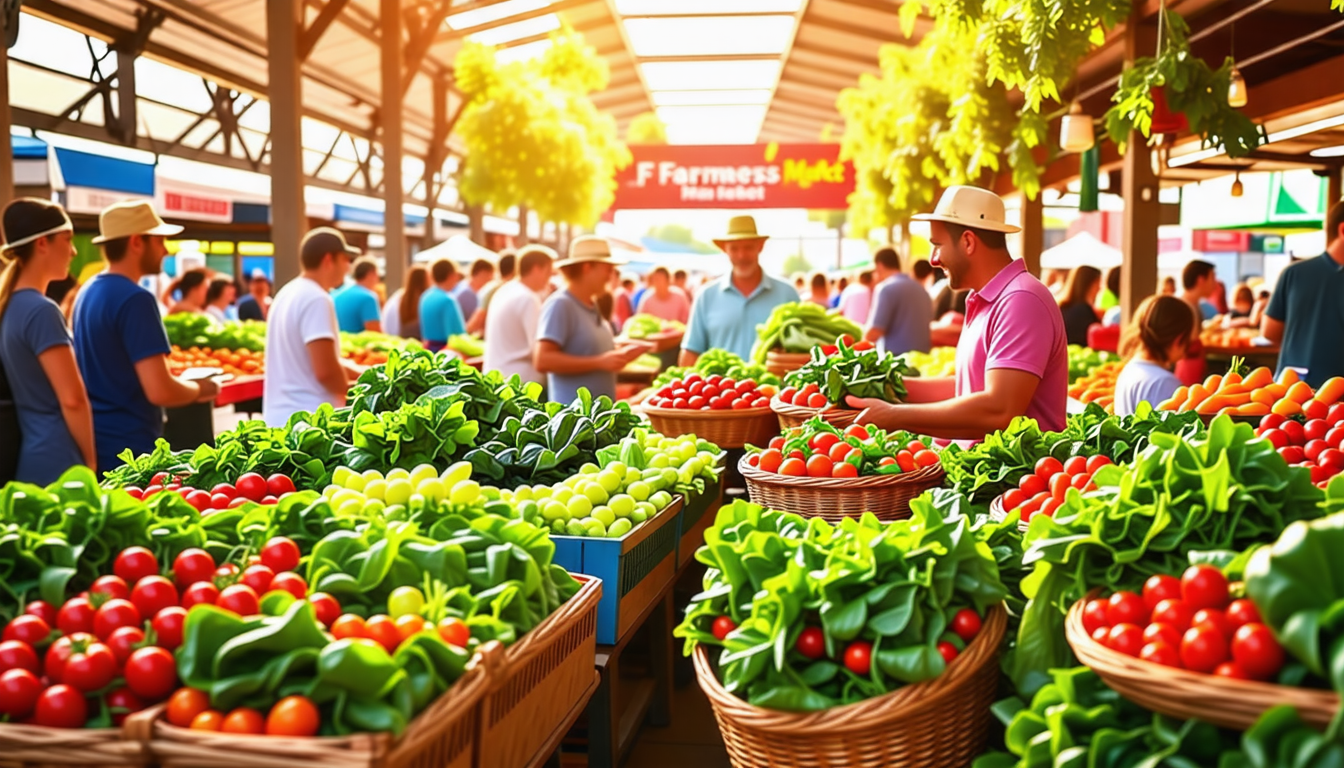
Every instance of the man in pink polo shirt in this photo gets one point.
(1012, 359)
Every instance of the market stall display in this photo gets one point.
(728, 412)
(1257, 394)
(719, 362)
(832, 374)
(785, 341)
(1098, 386)
(1083, 361)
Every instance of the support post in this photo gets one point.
(523, 237)
(476, 223)
(6, 146)
(1334, 188)
(289, 214)
(435, 157)
(1033, 233)
(127, 114)
(1139, 188)
(394, 219)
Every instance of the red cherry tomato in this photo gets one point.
(27, 628)
(1203, 648)
(1230, 669)
(75, 616)
(61, 706)
(811, 643)
(152, 594)
(278, 485)
(1204, 586)
(948, 651)
(1160, 587)
(859, 657)
(259, 578)
(192, 566)
(113, 615)
(1163, 632)
(1214, 618)
(1126, 608)
(240, 599)
(966, 624)
(90, 667)
(292, 583)
(1048, 467)
(325, 607)
(123, 641)
(1257, 652)
(280, 554)
(1095, 463)
(123, 702)
(43, 610)
(1173, 612)
(1126, 639)
(1033, 484)
(135, 563)
(200, 593)
(112, 586)
(1095, 615)
(1242, 611)
(1161, 652)
(19, 690)
(722, 626)
(1076, 465)
(1060, 485)
(454, 631)
(252, 486)
(819, 466)
(18, 655)
(167, 626)
(151, 673)
(383, 631)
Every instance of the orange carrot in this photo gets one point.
(1175, 402)
(1287, 408)
(1213, 382)
(1331, 391)
(1198, 393)
(1258, 378)
(1299, 393)
(1252, 409)
(1289, 377)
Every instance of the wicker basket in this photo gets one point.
(780, 363)
(442, 736)
(941, 723)
(1179, 693)
(726, 429)
(540, 680)
(834, 499)
(31, 746)
(791, 416)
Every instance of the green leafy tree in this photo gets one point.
(796, 264)
(646, 128)
(680, 234)
(534, 137)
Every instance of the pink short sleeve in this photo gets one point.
(1019, 320)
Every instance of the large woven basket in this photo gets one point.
(31, 746)
(1179, 693)
(834, 499)
(442, 736)
(780, 363)
(726, 429)
(796, 415)
(941, 723)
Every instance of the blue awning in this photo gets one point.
(352, 215)
(82, 169)
(28, 148)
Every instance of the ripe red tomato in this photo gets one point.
(926, 458)
(61, 706)
(1333, 458)
(75, 616)
(793, 468)
(112, 586)
(906, 461)
(293, 716)
(243, 720)
(202, 592)
(53, 661)
(1076, 465)
(383, 631)
(1314, 448)
(1276, 437)
(122, 702)
(1203, 648)
(1257, 652)
(819, 466)
(844, 469)
(1060, 485)
(115, 614)
(252, 486)
(152, 594)
(135, 563)
(278, 485)
(1272, 420)
(1293, 454)
(454, 631)
(1161, 652)
(859, 657)
(839, 450)
(1095, 615)
(43, 610)
(27, 628)
(192, 566)
(1163, 632)
(966, 624)
(1033, 484)
(1230, 669)
(89, 668)
(409, 624)
(1297, 434)
(1048, 467)
(1014, 498)
(292, 583)
(1335, 437)
(18, 655)
(123, 640)
(1315, 429)
(817, 400)
(948, 651)
(350, 625)
(1126, 608)
(822, 442)
(167, 626)
(811, 643)
(240, 599)
(325, 607)
(19, 689)
(787, 394)
(1095, 463)
(1083, 482)
(1173, 612)
(203, 500)
(1315, 410)
(1203, 586)
(1160, 587)
(722, 626)
(1214, 618)
(1100, 635)
(280, 554)
(259, 578)
(151, 673)
(857, 431)
(1126, 639)
(1242, 611)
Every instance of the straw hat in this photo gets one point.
(133, 217)
(741, 228)
(589, 248)
(971, 207)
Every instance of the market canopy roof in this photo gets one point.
(1083, 249)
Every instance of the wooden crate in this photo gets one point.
(696, 516)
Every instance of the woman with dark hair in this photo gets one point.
(1080, 294)
(191, 288)
(401, 313)
(52, 407)
(219, 297)
(1154, 341)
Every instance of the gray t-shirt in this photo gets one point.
(902, 310)
(32, 324)
(581, 331)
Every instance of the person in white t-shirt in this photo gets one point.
(512, 323)
(304, 368)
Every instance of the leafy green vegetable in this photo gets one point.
(868, 373)
(1280, 739)
(798, 327)
(1084, 360)
(188, 329)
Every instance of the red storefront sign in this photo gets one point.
(1216, 240)
(192, 206)
(743, 176)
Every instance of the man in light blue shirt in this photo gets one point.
(440, 316)
(357, 304)
(902, 309)
(727, 311)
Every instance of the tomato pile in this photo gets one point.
(239, 362)
(1317, 444)
(1043, 492)
(291, 716)
(249, 487)
(713, 393)
(112, 645)
(818, 449)
(1189, 623)
(807, 396)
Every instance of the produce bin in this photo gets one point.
(695, 518)
(537, 681)
(634, 568)
(834, 499)
(780, 363)
(442, 736)
(36, 746)
(726, 429)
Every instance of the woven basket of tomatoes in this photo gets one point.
(819, 470)
(728, 413)
(1186, 649)
(1043, 491)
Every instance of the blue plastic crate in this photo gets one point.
(695, 518)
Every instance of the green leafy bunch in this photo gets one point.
(1084, 360)
(798, 327)
(188, 329)
(869, 373)
(1224, 492)
(896, 585)
(1190, 87)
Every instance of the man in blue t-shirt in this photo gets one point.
(120, 342)
(440, 316)
(902, 309)
(357, 304)
(1306, 311)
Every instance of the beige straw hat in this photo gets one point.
(971, 207)
(133, 217)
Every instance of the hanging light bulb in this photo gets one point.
(1236, 89)
(1238, 189)
(1160, 154)
(1075, 130)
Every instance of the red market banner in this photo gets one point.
(735, 176)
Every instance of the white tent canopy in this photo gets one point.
(459, 249)
(1083, 249)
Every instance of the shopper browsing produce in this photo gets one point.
(54, 416)
(304, 368)
(1076, 305)
(1012, 359)
(1156, 339)
(662, 301)
(191, 290)
(508, 262)
(727, 311)
(256, 305)
(467, 292)
(401, 313)
(511, 333)
(357, 303)
(1304, 312)
(901, 311)
(120, 343)
(440, 315)
(1199, 282)
(575, 345)
(219, 298)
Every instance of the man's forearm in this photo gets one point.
(933, 390)
(970, 417)
(687, 358)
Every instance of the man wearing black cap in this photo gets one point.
(304, 368)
